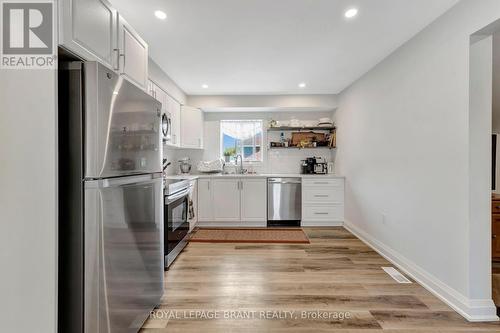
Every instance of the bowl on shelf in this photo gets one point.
(325, 120)
(309, 123)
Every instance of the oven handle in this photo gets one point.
(179, 195)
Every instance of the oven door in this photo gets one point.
(176, 224)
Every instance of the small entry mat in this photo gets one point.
(250, 235)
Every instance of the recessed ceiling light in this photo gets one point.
(350, 13)
(302, 85)
(161, 15)
(204, 86)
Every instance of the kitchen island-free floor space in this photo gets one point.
(335, 283)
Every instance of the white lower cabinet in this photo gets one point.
(205, 206)
(232, 200)
(322, 201)
(226, 199)
(254, 200)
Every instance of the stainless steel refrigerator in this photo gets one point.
(110, 199)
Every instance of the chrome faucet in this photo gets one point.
(241, 163)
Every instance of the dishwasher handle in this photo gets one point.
(284, 181)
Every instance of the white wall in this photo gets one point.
(480, 124)
(403, 138)
(275, 161)
(158, 76)
(227, 102)
(28, 201)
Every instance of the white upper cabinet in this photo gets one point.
(133, 54)
(89, 29)
(174, 108)
(93, 30)
(253, 200)
(191, 127)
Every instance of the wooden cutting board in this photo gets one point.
(297, 137)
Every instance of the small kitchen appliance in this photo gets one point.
(314, 166)
(321, 166)
(185, 165)
(308, 165)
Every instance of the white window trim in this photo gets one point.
(262, 146)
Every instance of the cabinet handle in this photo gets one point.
(208, 184)
(320, 196)
(122, 55)
(117, 67)
(318, 213)
(321, 183)
(241, 182)
(494, 236)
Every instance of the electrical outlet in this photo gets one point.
(384, 218)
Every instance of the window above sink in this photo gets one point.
(241, 137)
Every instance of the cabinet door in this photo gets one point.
(152, 89)
(205, 205)
(191, 127)
(133, 60)
(174, 108)
(192, 222)
(226, 200)
(88, 28)
(253, 200)
(161, 96)
(199, 124)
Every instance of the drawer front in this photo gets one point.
(328, 182)
(323, 213)
(495, 207)
(324, 195)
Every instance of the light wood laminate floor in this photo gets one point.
(274, 285)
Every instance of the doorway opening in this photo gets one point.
(484, 166)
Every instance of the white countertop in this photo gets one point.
(262, 175)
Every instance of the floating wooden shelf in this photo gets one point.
(316, 128)
(321, 147)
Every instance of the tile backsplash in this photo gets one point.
(285, 161)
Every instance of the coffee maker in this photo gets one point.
(314, 165)
(307, 166)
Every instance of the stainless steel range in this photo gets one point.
(176, 193)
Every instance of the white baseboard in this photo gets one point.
(321, 223)
(471, 309)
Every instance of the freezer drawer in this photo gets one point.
(284, 199)
(123, 260)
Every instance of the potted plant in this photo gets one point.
(228, 152)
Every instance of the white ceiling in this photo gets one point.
(270, 46)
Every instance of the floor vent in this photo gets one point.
(400, 278)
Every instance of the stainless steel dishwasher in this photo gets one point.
(284, 201)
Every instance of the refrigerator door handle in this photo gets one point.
(120, 181)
